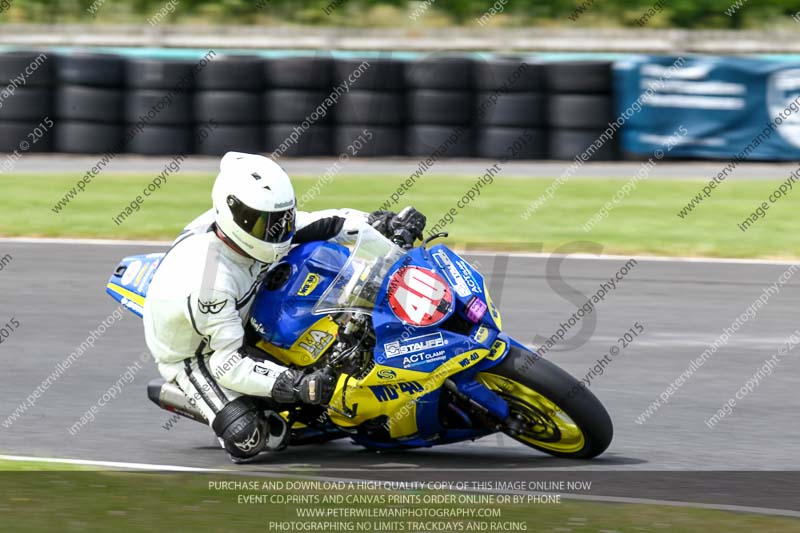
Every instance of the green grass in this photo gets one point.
(38, 466)
(644, 223)
(125, 501)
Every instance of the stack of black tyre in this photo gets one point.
(89, 103)
(159, 111)
(26, 102)
(579, 108)
(440, 107)
(297, 121)
(510, 109)
(229, 96)
(370, 117)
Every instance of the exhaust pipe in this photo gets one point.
(171, 398)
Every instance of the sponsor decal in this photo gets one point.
(257, 326)
(390, 392)
(282, 205)
(410, 361)
(466, 361)
(309, 284)
(130, 273)
(475, 309)
(451, 273)
(481, 335)
(412, 345)
(211, 307)
(498, 349)
(419, 296)
(387, 374)
(315, 342)
(494, 312)
(466, 272)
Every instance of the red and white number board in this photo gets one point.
(417, 295)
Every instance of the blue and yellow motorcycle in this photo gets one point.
(418, 346)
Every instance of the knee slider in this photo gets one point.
(242, 426)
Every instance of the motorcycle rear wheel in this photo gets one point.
(552, 412)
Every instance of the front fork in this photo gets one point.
(485, 403)
(482, 402)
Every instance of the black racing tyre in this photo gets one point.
(369, 74)
(308, 73)
(440, 107)
(22, 137)
(231, 73)
(161, 140)
(557, 415)
(444, 141)
(317, 140)
(27, 104)
(226, 138)
(511, 143)
(37, 68)
(97, 70)
(371, 107)
(579, 76)
(510, 109)
(508, 75)
(228, 107)
(566, 144)
(367, 141)
(293, 106)
(87, 137)
(168, 74)
(154, 106)
(453, 73)
(74, 102)
(579, 110)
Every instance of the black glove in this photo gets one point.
(381, 221)
(402, 228)
(411, 220)
(317, 387)
(314, 388)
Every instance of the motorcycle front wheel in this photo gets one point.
(549, 409)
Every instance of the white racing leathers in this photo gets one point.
(196, 306)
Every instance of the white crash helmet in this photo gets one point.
(254, 205)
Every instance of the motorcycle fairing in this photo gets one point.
(411, 400)
(281, 310)
(129, 282)
(423, 348)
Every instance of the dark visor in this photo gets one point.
(267, 226)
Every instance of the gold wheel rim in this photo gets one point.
(545, 424)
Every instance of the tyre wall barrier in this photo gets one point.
(296, 106)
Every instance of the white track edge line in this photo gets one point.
(111, 464)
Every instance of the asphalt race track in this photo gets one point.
(56, 293)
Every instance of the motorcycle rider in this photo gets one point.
(201, 294)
